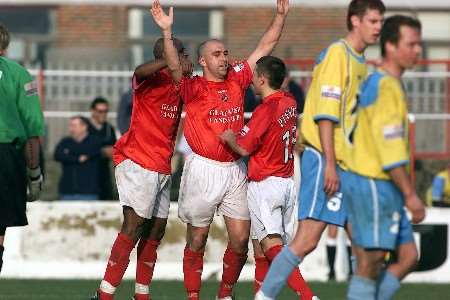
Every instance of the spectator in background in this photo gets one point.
(105, 132)
(289, 85)
(439, 195)
(79, 155)
(124, 112)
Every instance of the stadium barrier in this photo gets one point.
(73, 240)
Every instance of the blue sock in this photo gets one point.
(387, 286)
(361, 289)
(280, 270)
(354, 264)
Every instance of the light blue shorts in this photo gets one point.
(313, 201)
(375, 209)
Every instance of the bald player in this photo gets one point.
(214, 177)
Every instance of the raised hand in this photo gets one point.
(282, 7)
(163, 20)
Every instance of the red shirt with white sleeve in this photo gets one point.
(154, 123)
(213, 107)
(270, 136)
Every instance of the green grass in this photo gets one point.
(173, 290)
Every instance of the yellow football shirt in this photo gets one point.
(380, 140)
(337, 76)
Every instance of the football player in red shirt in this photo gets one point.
(269, 139)
(214, 177)
(142, 157)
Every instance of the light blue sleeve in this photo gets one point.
(437, 189)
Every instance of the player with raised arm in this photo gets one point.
(142, 157)
(377, 185)
(214, 177)
(269, 139)
(327, 124)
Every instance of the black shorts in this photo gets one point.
(13, 186)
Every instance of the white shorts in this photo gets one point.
(147, 192)
(207, 186)
(271, 203)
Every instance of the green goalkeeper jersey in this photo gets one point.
(20, 111)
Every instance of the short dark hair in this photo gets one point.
(360, 7)
(82, 119)
(202, 45)
(4, 37)
(98, 100)
(390, 32)
(158, 48)
(273, 68)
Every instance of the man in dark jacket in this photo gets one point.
(106, 134)
(79, 155)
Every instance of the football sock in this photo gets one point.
(295, 280)
(232, 266)
(146, 259)
(261, 268)
(361, 289)
(192, 269)
(387, 286)
(1, 257)
(331, 257)
(351, 268)
(117, 265)
(280, 269)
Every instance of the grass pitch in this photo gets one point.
(174, 290)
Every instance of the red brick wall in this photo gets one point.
(92, 26)
(306, 32)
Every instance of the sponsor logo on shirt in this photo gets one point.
(1, 74)
(244, 130)
(169, 111)
(392, 132)
(289, 113)
(30, 88)
(331, 92)
(223, 95)
(225, 115)
(239, 67)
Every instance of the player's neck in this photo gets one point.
(355, 42)
(392, 68)
(211, 77)
(268, 92)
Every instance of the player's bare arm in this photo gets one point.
(229, 137)
(165, 22)
(149, 68)
(331, 179)
(412, 201)
(270, 38)
(34, 170)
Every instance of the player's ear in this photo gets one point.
(356, 21)
(201, 61)
(390, 47)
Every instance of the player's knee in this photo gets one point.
(198, 241)
(239, 245)
(409, 259)
(132, 228)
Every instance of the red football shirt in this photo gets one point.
(270, 136)
(154, 123)
(213, 107)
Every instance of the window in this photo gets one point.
(31, 39)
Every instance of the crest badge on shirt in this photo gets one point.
(223, 95)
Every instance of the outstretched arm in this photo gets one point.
(270, 38)
(165, 22)
(149, 68)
